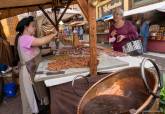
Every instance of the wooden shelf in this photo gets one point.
(156, 40)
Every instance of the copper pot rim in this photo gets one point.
(142, 107)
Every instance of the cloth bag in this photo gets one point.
(133, 48)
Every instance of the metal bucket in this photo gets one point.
(128, 91)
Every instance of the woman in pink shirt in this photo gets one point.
(27, 46)
(122, 31)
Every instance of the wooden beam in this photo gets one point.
(92, 37)
(35, 5)
(67, 6)
(84, 7)
(90, 14)
(54, 3)
(13, 7)
(47, 16)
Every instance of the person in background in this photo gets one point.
(136, 21)
(81, 33)
(27, 46)
(65, 31)
(122, 31)
(75, 30)
(69, 33)
(144, 31)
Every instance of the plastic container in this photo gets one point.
(3, 67)
(9, 89)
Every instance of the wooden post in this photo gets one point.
(90, 13)
(83, 6)
(93, 39)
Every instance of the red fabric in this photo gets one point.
(156, 46)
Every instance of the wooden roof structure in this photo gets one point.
(78, 23)
(10, 8)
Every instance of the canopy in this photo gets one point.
(104, 18)
(145, 9)
(157, 6)
(10, 8)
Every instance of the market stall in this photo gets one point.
(60, 82)
(76, 67)
(74, 61)
(157, 33)
(102, 32)
(156, 36)
(27, 6)
(156, 30)
(108, 61)
(11, 8)
(104, 11)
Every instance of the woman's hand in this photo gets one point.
(113, 33)
(111, 40)
(54, 31)
(54, 35)
(61, 36)
(120, 38)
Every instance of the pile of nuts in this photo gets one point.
(68, 62)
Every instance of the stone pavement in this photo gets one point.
(11, 105)
(159, 60)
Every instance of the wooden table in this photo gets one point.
(106, 64)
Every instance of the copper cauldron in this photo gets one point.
(128, 91)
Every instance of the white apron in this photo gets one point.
(27, 94)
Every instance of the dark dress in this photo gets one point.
(128, 30)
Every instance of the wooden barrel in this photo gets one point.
(123, 91)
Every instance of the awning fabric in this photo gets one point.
(9, 8)
(157, 6)
(104, 18)
(145, 9)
